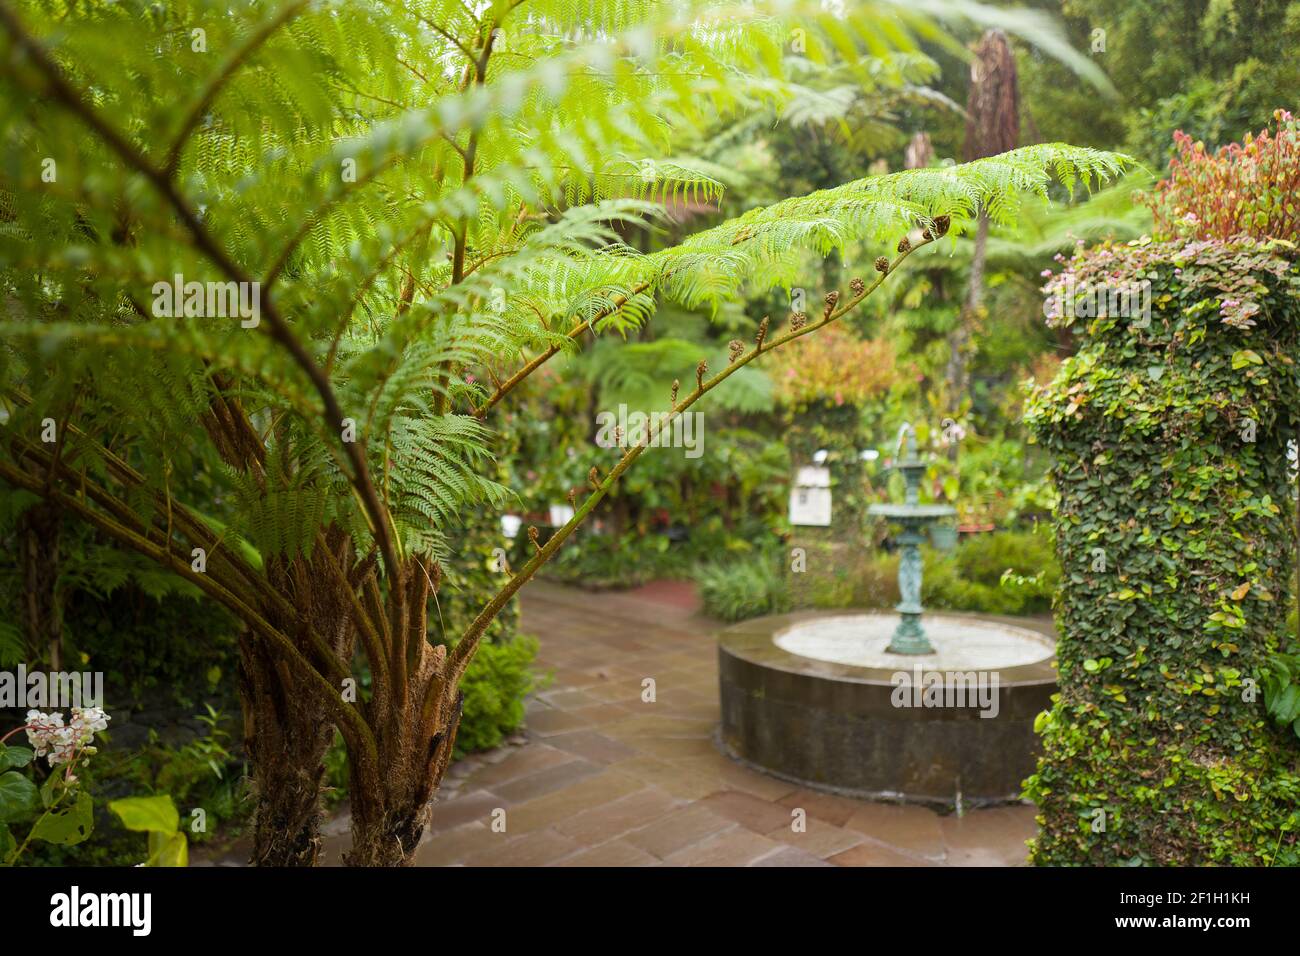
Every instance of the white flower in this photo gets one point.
(88, 722)
(42, 730)
(48, 735)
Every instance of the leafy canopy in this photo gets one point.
(420, 189)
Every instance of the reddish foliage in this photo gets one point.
(834, 366)
(1244, 189)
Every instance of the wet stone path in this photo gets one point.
(601, 778)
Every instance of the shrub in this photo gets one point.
(836, 367)
(600, 562)
(749, 587)
(1009, 572)
(499, 678)
(1175, 535)
(1243, 189)
(836, 576)
(840, 575)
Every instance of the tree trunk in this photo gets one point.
(287, 731)
(389, 820)
(992, 127)
(286, 735)
(414, 721)
(39, 530)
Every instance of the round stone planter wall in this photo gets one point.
(853, 730)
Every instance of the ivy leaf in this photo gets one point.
(1286, 706)
(19, 799)
(67, 826)
(1245, 357)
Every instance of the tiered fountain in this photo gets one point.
(873, 704)
(909, 637)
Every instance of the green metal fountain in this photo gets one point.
(913, 518)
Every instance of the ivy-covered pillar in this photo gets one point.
(1172, 740)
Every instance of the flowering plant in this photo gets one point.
(59, 810)
(63, 744)
(835, 367)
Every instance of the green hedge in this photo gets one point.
(1175, 533)
(1006, 572)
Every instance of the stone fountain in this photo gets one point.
(873, 704)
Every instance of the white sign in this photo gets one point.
(810, 498)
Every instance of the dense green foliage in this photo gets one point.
(416, 206)
(501, 674)
(1176, 537)
(750, 587)
(1215, 69)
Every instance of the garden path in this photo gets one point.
(601, 778)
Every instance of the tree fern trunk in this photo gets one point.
(287, 731)
(286, 735)
(992, 127)
(389, 815)
(960, 338)
(391, 809)
(414, 723)
(39, 533)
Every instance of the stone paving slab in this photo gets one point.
(601, 777)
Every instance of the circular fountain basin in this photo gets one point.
(815, 698)
(960, 643)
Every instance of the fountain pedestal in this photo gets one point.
(914, 518)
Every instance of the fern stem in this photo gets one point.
(442, 401)
(468, 643)
(279, 330)
(537, 362)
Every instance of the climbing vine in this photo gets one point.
(1169, 430)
